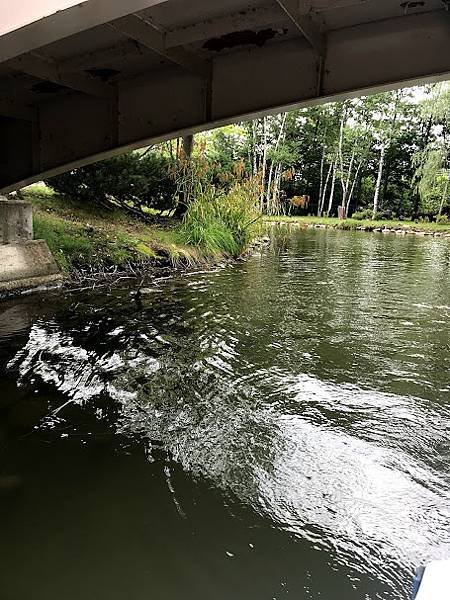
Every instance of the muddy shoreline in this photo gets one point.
(142, 272)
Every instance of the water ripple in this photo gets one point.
(311, 384)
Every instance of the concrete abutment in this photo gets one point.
(25, 264)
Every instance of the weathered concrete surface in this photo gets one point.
(104, 76)
(16, 221)
(27, 265)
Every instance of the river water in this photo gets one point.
(277, 428)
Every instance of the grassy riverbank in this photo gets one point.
(82, 237)
(366, 225)
(88, 238)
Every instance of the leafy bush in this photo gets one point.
(385, 215)
(362, 215)
(442, 220)
(132, 182)
(382, 215)
(222, 223)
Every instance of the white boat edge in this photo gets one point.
(433, 581)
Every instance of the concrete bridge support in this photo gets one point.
(16, 221)
(24, 263)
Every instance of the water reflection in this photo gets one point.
(309, 385)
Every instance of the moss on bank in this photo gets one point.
(81, 237)
(367, 225)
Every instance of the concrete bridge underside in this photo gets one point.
(102, 76)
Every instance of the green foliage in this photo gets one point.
(75, 245)
(84, 238)
(432, 159)
(443, 220)
(228, 147)
(37, 190)
(405, 123)
(192, 173)
(360, 215)
(433, 178)
(366, 224)
(222, 223)
(386, 215)
(132, 182)
(386, 152)
(367, 213)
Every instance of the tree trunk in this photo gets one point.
(387, 174)
(322, 165)
(340, 153)
(333, 184)
(352, 189)
(254, 157)
(269, 189)
(376, 196)
(444, 195)
(264, 164)
(182, 206)
(276, 191)
(324, 191)
(269, 192)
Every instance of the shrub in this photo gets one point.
(442, 220)
(132, 182)
(385, 215)
(222, 223)
(361, 215)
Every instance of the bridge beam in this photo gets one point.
(49, 70)
(154, 38)
(305, 24)
(66, 23)
(247, 80)
(219, 26)
(9, 107)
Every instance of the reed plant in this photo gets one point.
(223, 222)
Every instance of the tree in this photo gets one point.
(433, 158)
(434, 180)
(385, 153)
(133, 182)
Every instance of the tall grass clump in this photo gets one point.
(223, 222)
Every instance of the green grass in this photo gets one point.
(38, 190)
(83, 237)
(222, 224)
(370, 225)
(87, 237)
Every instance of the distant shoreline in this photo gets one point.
(393, 226)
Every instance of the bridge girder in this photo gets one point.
(103, 76)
